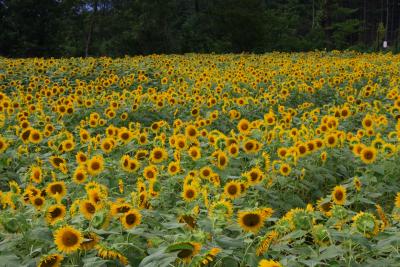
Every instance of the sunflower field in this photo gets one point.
(280, 159)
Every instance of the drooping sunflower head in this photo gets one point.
(269, 263)
(68, 239)
(52, 260)
(186, 250)
(366, 224)
(324, 206)
(90, 240)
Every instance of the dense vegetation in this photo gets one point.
(127, 27)
(282, 159)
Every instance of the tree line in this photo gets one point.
(128, 27)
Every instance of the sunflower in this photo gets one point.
(52, 260)
(191, 132)
(244, 126)
(25, 134)
(125, 136)
(84, 135)
(222, 160)
(357, 183)
(250, 146)
(366, 224)
(35, 136)
(254, 176)
(38, 202)
(79, 175)
(210, 256)
(368, 155)
(339, 195)
(36, 174)
(95, 165)
(232, 189)
(87, 208)
(57, 161)
(110, 254)
(206, 172)
(56, 189)
(81, 157)
(107, 145)
(266, 241)
(324, 206)
(120, 208)
(331, 140)
(55, 213)
(250, 221)
(68, 239)
(187, 250)
(150, 172)
(67, 145)
(96, 195)
(194, 153)
(189, 193)
(131, 219)
(233, 150)
(285, 169)
(269, 263)
(397, 201)
(3, 145)
(174, 167)
(158, 155)
(90, 240)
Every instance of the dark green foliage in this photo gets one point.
(126, 27)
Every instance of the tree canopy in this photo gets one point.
(127, 27)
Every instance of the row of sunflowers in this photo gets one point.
(281, 159)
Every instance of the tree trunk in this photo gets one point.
(91, 27)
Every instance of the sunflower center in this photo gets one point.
(232, 190)
(249, 146)
(368, 155)
(38, 202)
(150, 174)
(253, 176)
(49, 261)
(57, 161)
(339, 195)
(80, 176)
(90, 208)
(157, 154)
(125, 136)
(55, 213)
(130, 219)
(123, 209)
(69, 239)
(222, 160)
(251, 219)
(95, 165)
(57, 188)
(190, 193)
(184, 253)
